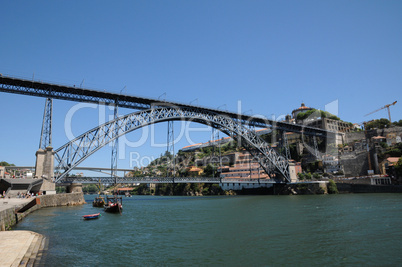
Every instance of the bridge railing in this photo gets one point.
(160, 180)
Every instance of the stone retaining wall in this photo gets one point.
(366, 188)
(312, 188)
(70, 199)
(11, 216)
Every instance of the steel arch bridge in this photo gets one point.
(76, 151)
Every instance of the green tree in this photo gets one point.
(5, 164)
(397, 123)
(398, 168)
(378, 124)
(332, 188)
(209, 170)
(314, 114)
(316, 175)
(91, 188)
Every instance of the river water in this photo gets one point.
(335, 230)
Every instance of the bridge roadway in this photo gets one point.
(161, 180)
(48, 90)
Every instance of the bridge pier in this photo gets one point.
(44, 168)
(74, 188)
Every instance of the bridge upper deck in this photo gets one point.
(72, 93)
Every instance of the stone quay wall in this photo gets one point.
(366, 188)
(13, 215)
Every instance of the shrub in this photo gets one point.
(332, 188)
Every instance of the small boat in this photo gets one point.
(91, 216)
(114, 205)
(98, 202)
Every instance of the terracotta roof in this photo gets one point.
(194, 169)
(393, 159)
(193, 145)
(263, 129)
(379, 137)
(302, 107)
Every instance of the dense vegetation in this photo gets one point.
(397, 123)
(398, 167)
(332, 188)
(314, 114)
(5, 164)
(392, 151)
(182, 189)
(378, 124)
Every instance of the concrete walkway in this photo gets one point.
(6, 203)
(20, 248)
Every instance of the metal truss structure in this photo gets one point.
(72, 93)
(139, 180)
(115, 145)
(159, 180)
(76, 151)
(171, 168)
(237, 125)
(285, 145)
(46, 133)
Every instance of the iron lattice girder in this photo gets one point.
(76, 151)
(158, 180)
(134, 180)
(55, 91)
(46, 133)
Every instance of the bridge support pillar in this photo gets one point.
(44, 168)
(74, 188)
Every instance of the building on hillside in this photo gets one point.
(294, 169)
(357, 126)
(3, 173)
(330, 125)
(220, 141)
(244, 168)
(194, 171)
(302, 108)
(323, 123)
(124, 190)
(377, 140)
(387, 165)
(331, 164)
(393, 138)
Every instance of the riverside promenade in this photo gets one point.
(19, 248)
(25, 248)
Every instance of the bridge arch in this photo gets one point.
(76, 151)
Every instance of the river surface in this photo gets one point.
(334, 230)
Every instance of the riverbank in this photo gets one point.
(24, 248)
(300, 188)
(21, 248)
(13, 210)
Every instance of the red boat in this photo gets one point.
(91, 216)
(114, 205)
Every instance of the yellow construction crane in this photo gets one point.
(386, 106)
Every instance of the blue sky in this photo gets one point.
(270, 55)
